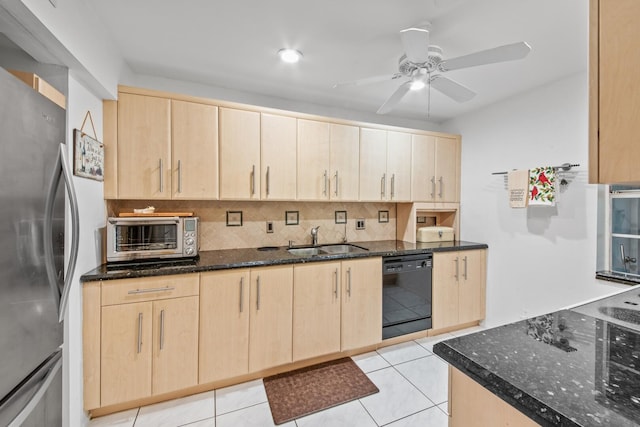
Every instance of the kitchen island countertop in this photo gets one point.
(253, 257)
(573, 367)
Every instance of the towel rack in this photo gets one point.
(564, 167)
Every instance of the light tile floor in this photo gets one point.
(413, 392)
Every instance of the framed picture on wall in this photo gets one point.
(88, 156)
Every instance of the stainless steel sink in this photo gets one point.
(341, 249)
(303, 251)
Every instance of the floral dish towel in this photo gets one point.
(542, 187)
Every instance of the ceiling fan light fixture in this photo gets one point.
(417, 85)
(290, 56)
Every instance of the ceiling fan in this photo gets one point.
(424, 65)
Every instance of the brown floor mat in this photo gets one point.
(305, 391)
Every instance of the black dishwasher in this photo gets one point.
(406, 294)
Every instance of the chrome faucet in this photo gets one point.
(314, 235)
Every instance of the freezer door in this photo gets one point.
(31, 129)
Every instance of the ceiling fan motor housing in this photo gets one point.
(409, 68)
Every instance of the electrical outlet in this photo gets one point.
(359, 224)
(269, 227)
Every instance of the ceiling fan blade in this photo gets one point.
(394, 98)
(416, 44)
(453, 90)
(369, 80)
(504, 53)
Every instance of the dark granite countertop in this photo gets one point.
(574, 367)
(252, 257)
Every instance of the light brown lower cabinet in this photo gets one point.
(245, 321)
(471, 405)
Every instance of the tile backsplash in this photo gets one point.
(215, 234)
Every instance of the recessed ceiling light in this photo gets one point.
(417, 85)
(290, 56)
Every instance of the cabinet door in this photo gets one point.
(361, 303)
(224, 324)
(423, 174)
(175, 344)
(618, 80)
(399, 166)
(194, 130)
(344, 161)
(446, 271)
(144, 147)
(373, 164)
(447, 167)
(239, 154)
(472, 285)
(313, 160)
(270, 317)
(278, 144)
(125, 353)
(316, 309)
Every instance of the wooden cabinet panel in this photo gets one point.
(278, 145)
(194, 130)
(122, 291)
(175, 344)
(344, 161)
(313, 160)
(239, 154)
(373, 164)
(270, 317)
(423, 173)
(472, 284)
(398, 166)
(361, 303)
(125, 356)
(144, 147)
(446, 269)
(316, 309)
(224, 324)
(447, 167)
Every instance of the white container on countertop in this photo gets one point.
(434, 234)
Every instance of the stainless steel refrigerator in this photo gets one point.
(34, 179)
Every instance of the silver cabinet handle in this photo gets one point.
(465, 267)
(149, 290)
(335, 288)
(440, 192)
(349, 282)
(457, 269)
(161, 167)
(433, 187)
(241, 294)
(383, 185)
(179, 176)
(139, 332)
(324, 177)
(253, 180)
(267, 180)
(393, 185)
(336, 192)
(258, 293)
(161, 329)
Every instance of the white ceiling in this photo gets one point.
(233, 44)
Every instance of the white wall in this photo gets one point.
(540, 259)
(92, 217)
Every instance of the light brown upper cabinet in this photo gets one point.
(614, 83)
(278, 164)
(194, 129)
(435, 169)
(144, 147)
(166, 149)
(385, 165)
(327, 161)
(239, 154)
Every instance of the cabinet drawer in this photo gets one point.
(124, 291)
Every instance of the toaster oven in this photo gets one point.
(145, 238)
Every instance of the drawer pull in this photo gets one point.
(147, 291)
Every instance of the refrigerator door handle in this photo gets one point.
(53, 366)
(61, 169)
